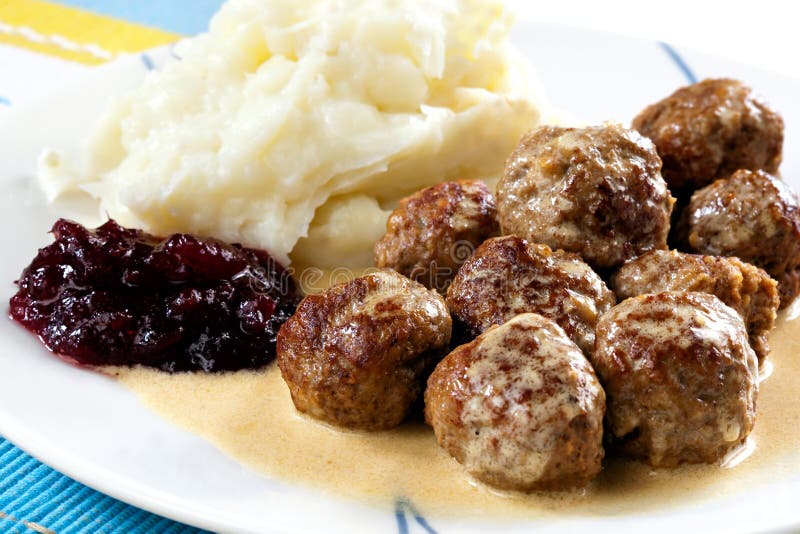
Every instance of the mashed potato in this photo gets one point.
(287, 109)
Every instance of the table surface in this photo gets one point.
(34, 497)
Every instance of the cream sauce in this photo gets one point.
(250, 417)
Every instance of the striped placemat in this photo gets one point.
(36, 498)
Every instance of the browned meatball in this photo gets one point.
(710, 129)
(357, 355)
(520, 407)
(595, 191)
(751, 215)
(507, 276)
(433, 231)
(680, 377)
(745, 288)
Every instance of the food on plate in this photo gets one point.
(710, 129)
(751, 215)
(433, 231)
(596, 191)
(338, 233)
(335, 133)
(284, 106)
(507, 276)
(745, 288)
(357, 355)
(117, 296)
(680, 377)
(520, 407)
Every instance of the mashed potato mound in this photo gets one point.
(287, 109)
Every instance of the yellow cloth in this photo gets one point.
(73, 34)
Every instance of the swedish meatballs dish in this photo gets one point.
(598, 317)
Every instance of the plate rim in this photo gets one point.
(178, 509)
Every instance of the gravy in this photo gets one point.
(249, 415)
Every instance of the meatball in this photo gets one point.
(507, 276)
(680, 377)
(595, 191)
(358, 354)
(743, 287)
(710, 129)
(433, 231)
(751, 215)
(520, 407)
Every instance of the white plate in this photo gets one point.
(95, 430)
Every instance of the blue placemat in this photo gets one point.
(37, 499)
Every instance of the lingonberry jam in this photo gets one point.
(117, 296)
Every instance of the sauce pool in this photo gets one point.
(249, 416)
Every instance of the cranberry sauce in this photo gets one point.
(116, 296)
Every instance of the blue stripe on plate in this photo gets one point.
(400, 517)
(186, 17)
(35, 499)
(4, 101)
(403, 506)
(148, 61)
(679, 61)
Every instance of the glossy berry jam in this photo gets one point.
(116, 296)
